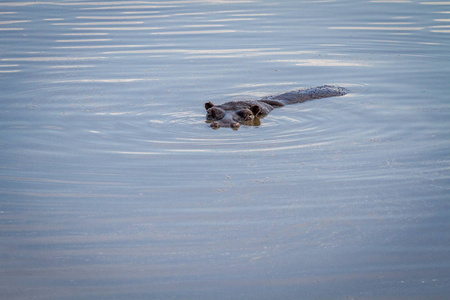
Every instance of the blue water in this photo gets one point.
(113, 186)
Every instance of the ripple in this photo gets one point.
(109, 80)
(382, 28)
(115, 28)
(45, 59)
(99, 23)
(71, 66)
(310, 125)
(128, 7)
(85, 33)
(325, 62)
(196, 32)
(14, 22)
(122, 17)
(9, 71)
(100, 46)
(435, 3)
(82, 40)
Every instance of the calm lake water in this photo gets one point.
(113, 186)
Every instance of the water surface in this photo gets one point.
(113, 186)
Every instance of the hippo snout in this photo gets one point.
(217, 125)
(220, 118)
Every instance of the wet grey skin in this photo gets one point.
(233, 114)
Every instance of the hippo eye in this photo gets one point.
(245, 114)
(255, 109)
(215, 113)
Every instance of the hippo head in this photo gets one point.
(229, 118)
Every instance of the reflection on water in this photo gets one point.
(113, 186)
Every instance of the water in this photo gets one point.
(113, 186)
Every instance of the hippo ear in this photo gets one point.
(255, 109)
(208, 105)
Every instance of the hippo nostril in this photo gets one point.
(235, 125)
(215, 125)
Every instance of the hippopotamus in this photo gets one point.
(248, 112)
